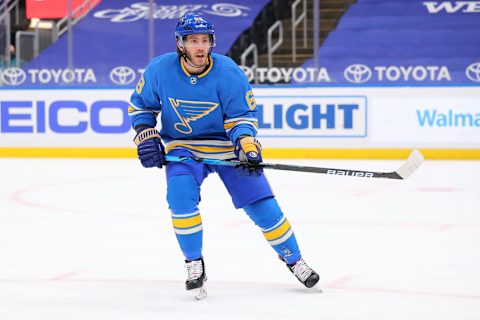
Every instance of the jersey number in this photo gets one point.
(140, 85)
(250, 99)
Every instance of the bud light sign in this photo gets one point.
(312, 116)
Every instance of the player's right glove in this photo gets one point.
(149, 148)
(249, 151)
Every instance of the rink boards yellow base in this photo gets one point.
(290, 153)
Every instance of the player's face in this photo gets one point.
(197, 47)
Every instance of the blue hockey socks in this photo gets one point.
(183, 195)
(275, 227)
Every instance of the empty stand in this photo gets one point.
(401, 34)
(330, 13)
(115, 35)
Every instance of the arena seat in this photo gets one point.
(380, 33)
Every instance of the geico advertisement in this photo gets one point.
(292, 117)
(65, 118)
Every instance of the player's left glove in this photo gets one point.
(249, 151)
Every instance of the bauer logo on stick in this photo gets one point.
(350, 173)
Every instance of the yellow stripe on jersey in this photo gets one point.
(209, 68)
(214, 149)
(203, 149)
(184, 68)
(203, 74)
(230, 124)
(134, 110)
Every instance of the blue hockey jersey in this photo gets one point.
(203, 113)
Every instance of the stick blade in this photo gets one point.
(415, 159)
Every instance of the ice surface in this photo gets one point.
(92, 239)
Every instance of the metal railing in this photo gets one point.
(316, 31)
(6, 7)
(81, 11)
(5, 53)
(44, 36)
(295, 22)
(271, 48)
(252, 49)
(26, 47)
(29, 44)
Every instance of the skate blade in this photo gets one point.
(316, 288)
(199, 293)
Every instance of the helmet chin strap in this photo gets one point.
(191, 64)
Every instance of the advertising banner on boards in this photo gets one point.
(288, 118)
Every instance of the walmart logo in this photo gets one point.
(190, 111)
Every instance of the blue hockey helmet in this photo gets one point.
(193, 23)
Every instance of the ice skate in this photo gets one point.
(196, 278)
(304, 273)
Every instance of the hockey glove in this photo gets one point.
(249, 151)
(149, 148)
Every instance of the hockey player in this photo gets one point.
(207, 109)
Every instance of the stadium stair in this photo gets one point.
(330, 13)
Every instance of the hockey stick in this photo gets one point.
(413, 162)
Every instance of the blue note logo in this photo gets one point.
(13, 76)
(188, 111)
(122, 75)
(473, 72)
(357, 73)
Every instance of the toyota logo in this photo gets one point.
(473, 72)
(13, 76)
(248, 73)
(122, 75)
(357, 73)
